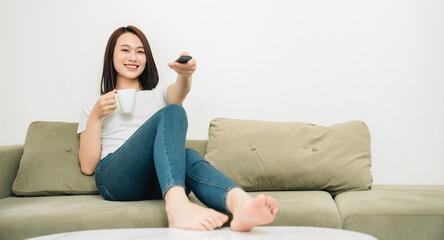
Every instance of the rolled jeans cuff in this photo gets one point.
(170, 185)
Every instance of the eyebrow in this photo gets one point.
(126, 45)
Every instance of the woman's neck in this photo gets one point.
(125, 83)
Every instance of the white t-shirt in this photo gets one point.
(118, 127)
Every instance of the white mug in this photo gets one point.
(126, 100)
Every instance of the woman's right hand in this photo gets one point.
(105, 105)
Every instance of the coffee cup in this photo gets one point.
(126, 100)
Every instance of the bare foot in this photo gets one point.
(184, 214)
(249, 212)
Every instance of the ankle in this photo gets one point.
(175, 195)
(234, 197)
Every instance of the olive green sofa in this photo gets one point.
(42, 190)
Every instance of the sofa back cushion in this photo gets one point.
(263, 156)
(50, 164)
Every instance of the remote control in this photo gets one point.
(183, 59)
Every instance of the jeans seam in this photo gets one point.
(227, 189)
(211, 184)
(164, 145)
(106, 190)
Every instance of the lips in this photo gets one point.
(131, 67)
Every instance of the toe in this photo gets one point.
(219, 223)
(223, 218)
(274, 211)
(213, 222)
(260, 201)
(271, 202)
(199, 227)
(219, 220)
(207, 225)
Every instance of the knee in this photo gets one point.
(176, 110)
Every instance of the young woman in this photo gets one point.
(142, 155)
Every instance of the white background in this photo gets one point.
(321, 62)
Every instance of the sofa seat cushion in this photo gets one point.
(304, 208)
(24, 217)
(395, 212)
(301, 208)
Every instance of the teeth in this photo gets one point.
(131, 66)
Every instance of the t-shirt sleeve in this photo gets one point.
(86, 110)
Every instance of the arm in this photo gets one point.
(90, 140)
(90, 146)
(178, 91)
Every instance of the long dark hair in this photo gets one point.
(149, 77)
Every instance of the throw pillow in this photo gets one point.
(50, 164)
(263, 156)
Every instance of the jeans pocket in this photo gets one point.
(104, 193)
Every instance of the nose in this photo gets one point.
(133, 56)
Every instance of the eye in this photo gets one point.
(125, 50)
(140, 51)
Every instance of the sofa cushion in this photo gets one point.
(35, 216)
(304, 208)
(261, 156)
(9, 163)
(199, 145)
(395, 212)
(50, 165)
(300, 208)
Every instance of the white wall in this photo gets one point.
(321, 62)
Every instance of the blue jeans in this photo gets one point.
(154, 159)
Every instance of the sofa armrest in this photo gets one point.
(9, 163)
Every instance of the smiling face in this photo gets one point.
(129, 57)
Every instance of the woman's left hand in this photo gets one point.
(184, 69)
